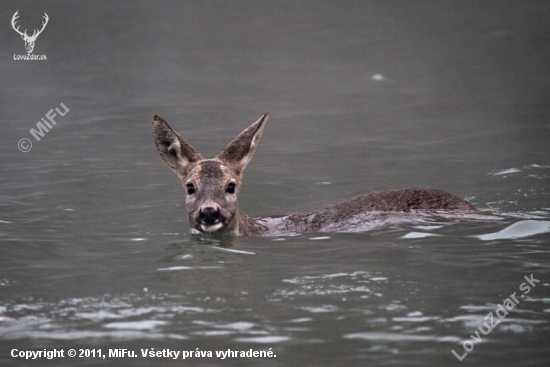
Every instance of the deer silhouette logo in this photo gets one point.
(29, 40)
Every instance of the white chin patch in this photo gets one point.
(211, 228)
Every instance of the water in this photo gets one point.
(95, 250)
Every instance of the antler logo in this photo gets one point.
(29, 40)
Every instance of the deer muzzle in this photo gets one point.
(210, 218)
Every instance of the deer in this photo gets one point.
(212, 187)
(29, 40)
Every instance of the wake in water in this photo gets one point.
(429, 222)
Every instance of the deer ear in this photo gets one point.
(174, 150)
(240, 151)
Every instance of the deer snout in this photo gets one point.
(210, 218)
(210, 215)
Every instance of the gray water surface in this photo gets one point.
(95, 249)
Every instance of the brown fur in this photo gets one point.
(210, 180)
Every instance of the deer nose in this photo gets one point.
(210, 215)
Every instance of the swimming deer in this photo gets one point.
(212, 187)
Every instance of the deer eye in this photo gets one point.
(190, 189)
(230, 189)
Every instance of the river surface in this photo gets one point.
(96, 254)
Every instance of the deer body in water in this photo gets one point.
(212, 187)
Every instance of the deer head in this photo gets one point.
(29, 40)
(212, 185)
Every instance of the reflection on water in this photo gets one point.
(364, 304)
(524, 228)
(95, 249)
